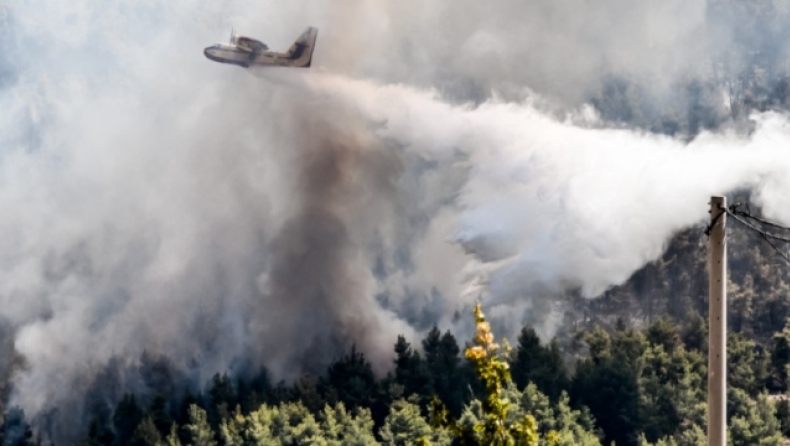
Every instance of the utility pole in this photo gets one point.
(717, 324)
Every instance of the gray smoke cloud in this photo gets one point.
(157, 204)
(320, 272)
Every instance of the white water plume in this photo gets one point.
(571, 206)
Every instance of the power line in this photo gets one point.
(756, 229)
(767, 240)
(734, 209)
(741, 216)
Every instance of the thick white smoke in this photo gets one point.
(554, 205)
(155, 201)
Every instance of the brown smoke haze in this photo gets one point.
(319, 275)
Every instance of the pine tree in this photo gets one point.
(573, 427)
(126, 417)
(747, 368)
(665, 333)
(258, 427)
(183, 414)
(529, 357)
(404, 426)
(695, 333)
(540, 365)
(158, 411)
(442, 361)
(222, 397)
(307, 392)
(259, 391)
(607, 382)
(780, 359)
(670, 389)
(303, 428)
(352, 382)
(754, 422)
(98, 434)
(341, 428)
(172, 438)
(783, 415)
(146, 434)
(411, 372)
(198, 430)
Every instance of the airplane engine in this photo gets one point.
(251, 44)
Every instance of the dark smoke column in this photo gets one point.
(320, 282)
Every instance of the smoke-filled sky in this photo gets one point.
(156, 201)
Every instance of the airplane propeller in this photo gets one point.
(232, 36)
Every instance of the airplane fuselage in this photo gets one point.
(245, 52)
(228, 54)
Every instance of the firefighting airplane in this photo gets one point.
(246, 51)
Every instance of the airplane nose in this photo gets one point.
(211, 53)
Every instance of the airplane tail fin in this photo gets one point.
(301, 52)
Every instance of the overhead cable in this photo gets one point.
(742, 216)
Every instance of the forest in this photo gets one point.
(626, 386)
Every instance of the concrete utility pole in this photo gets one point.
(717, 325)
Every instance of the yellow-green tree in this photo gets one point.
(493, 426)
